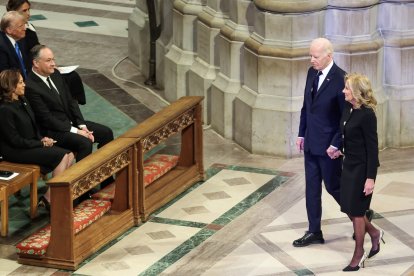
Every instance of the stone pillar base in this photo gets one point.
(200, 78)
(177, 64)
(139, 40)
(223, 93)
(262, 126)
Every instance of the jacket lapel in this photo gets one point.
(59, 85)
(327, 80)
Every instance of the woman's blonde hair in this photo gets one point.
(361, 90)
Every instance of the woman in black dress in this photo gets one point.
(20, 140)
(359, 129)
(72, 79)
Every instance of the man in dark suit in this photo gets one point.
(319, 134)
(14, 53)
(57, 113)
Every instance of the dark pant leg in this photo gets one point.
(313, 192)
(331, 175)
(103, 134)
(76, 143)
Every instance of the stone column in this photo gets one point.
(204, 70)
(228, 81)
(267, 108)
(164, 42)
(396, 23)
(182, 52)
(139, 36)
(359, 47)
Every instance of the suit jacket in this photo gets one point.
(18, 126)
(54, 112)
(320, 116)
(9, 58)
(359, 128)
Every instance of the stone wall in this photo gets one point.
(249, 59)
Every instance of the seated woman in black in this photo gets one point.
(72, 79)
(20, 141)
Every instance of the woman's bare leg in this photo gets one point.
(63, 165)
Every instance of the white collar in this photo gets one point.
(327, 68)
(12, 40)
(43, 78)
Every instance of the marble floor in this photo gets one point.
(244, 217)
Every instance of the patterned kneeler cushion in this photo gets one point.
(154, 167)
(84, 215)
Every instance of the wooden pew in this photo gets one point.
(181, 117)
(133, 200)
(67, 248)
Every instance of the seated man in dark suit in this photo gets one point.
(14, 53)
(57, 113)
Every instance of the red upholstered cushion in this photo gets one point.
(154, 168)
(106, 193)
(84, 215)
(88, 211)
(36, 244)
(158, 165)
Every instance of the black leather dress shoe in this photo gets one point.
(369, 214)
(43, 202)
(309, 238)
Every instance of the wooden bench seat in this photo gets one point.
(84, 215)
(154, 167)
(182, 117)
(139, 189)
(72, 240)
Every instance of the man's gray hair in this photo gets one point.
(9, 18)
(35, 51)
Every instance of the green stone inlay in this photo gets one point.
(178, 222)
(377, 216)
(178, 252)
(86, 23)
(303, 272)
(224, 219)
(249, 201)
(36, 17)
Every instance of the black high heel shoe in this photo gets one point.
(360, 264)
(43, 202)
(372, 253)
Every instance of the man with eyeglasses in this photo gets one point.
(14, 53)
(57, 113)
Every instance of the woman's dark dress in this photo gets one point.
(359, 129)
(20, 139)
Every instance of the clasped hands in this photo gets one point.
(333, 153)
(84, 131)
(47, 142)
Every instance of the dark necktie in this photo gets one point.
(52, 88)
(315, 84)
(19, 55)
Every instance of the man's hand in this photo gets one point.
(86, 133)
(300, 143)
(333, 152)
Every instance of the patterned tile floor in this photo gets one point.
(241, 221)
